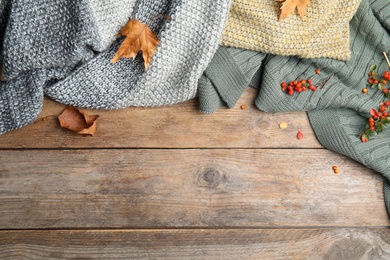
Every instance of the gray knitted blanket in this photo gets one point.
(63, 48)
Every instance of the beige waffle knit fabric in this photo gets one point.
(323, 32)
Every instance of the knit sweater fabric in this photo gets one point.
(338, 112)
(63, 48)
(322, 32)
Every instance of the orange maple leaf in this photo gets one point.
(289, 6)
(139, 37)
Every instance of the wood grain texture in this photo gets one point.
(197, 244)
(186, 188)
(177, 126)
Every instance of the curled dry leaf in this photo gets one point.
(289, 6)
(139, 37)
(78, 121)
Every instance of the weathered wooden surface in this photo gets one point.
(178, 126)
(197, 244)
(173, 183)
(186, 188)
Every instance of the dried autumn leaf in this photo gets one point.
(289, 6)
(78, 121)
(139, 37)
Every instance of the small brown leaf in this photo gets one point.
(78, 121)
(139, 37)
(289, 6)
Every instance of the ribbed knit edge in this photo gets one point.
(226, 77)
(329, 131)
(381, 9)
(386, 192)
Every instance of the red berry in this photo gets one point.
(283, 89)
(375, 117)
(372, 128)
(373, 112)
(376, 81)
(299, 135)
(295, 82)
(370, 74)
(387, 103)
(309, 81)
(318, 71)
(303, 81)
(385, 114)
(304, 88)
(384, 82)
(385, 90)
(364, 90)
(371, 80)
(283, 84)
(291, 92)
(312, 88)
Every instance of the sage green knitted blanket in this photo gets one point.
(339, 111)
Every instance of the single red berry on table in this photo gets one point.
(385, 90)
(283, 84)
(318, 71)
(309, 81)
(371, 80)
(387, 103)
(364, 90)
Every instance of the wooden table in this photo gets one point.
(173, 183)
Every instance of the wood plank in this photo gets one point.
(117, 188)
(178, 126)
(197, 244)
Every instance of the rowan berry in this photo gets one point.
(364, 90)
(372, 128)
(312, 88)
(295, 82)
(370, 74)
(385, 90)
(303, 81)
(387, 103)
(384, 82)
(309, 81)
(371, 80)
(376, 81)
(304, 88)
(318, 71)
(283, 84)
(336, 171)
(291, 92)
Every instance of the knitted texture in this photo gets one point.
(65, 53)
(338, 112)
(322, 32)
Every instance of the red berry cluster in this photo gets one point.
(378, 121)
(375, 81)
(298, 86)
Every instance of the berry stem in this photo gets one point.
(387, 59)
(326, 82)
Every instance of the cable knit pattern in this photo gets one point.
(322, 32)
(63, 48)
(338, 112)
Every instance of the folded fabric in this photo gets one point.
(63, 49)
(338, 111)
(322, 32)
